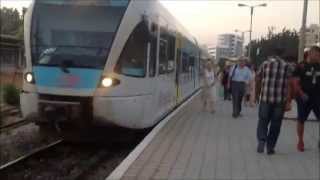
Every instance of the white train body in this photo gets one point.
(72, 46)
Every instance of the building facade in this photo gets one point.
(312, 35)
(12, 57)
(228, 46)
(212, 51)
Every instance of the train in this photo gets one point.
(106, 63)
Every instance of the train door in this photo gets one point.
(178, 66)
(198, 70)
(166, 86)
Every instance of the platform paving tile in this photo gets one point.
(147, 153)
(198, 151)
(172, 154)
(200, 145)
(156, 158)
(145, 166)
(186, 151)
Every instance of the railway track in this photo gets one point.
(14, 125)
(63, 160)
(8, 110)
(22, 158)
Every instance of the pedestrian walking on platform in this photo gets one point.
(208, 94)
(239, 77)
(274, 76)
(306, 83)
(253, 99)
(224, 82)
(250, 89)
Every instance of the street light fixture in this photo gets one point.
(251, 10)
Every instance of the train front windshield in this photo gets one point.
(74, 32)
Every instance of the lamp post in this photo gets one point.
(319, 26)
(251, 14)
(302, 40)
(242, 38)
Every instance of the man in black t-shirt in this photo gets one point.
(307, 91)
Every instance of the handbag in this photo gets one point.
(230, 78)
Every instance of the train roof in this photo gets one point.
(170, 18)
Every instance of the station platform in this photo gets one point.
(199, 145)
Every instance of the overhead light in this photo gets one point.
(264, 4)
(241, 5)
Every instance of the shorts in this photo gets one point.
(305, 108)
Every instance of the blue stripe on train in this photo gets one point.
(78, 78)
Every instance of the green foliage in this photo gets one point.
(11, 22)
(11, 95)
(286, 39)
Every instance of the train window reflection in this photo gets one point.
(132, 61)
(153, 51)
(185, 60)
(163, 56)
(82, 35)
(167, 51)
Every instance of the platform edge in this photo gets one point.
(126, 163)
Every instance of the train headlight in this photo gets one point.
(29, 77)
(108, 82)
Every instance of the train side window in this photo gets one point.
(178, 60)
(191, 65)
(163, 51)
(192, 61)
(171, 52)
(153, 50)
(185, 62)
(167, 51)
(132, 61)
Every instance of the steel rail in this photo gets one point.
(28, 155)
(10, 126)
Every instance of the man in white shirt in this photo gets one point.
(239, 77)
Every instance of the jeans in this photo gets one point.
(269, 113)
(238, 91)
(226, 93)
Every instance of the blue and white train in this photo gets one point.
(106, 63)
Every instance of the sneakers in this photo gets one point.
(271, 152)
(260, 148)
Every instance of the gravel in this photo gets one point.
(20, 141)
(71, 161)
(81, 161)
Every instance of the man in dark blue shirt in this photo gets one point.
(307, 78)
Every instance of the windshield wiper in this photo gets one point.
(65, 64)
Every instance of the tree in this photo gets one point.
(286, 39)
(20, 33)
(11, 22)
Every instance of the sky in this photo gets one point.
(205, 19)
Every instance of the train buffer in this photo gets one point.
(198, 145)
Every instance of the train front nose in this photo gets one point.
(62, 113)
(76, 111)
